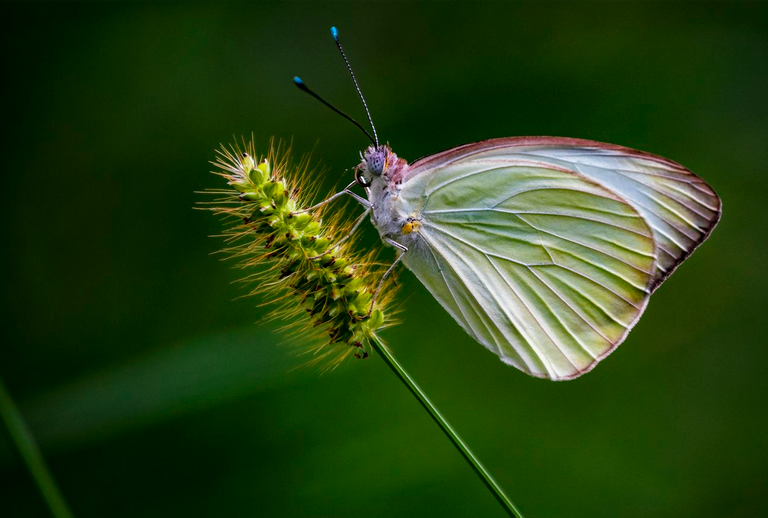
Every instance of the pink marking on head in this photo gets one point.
(396, 168)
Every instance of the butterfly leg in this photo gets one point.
(401, 252)
(349, 234)
(365, 203)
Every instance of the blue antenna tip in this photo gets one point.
(335, 33)
(297, 80)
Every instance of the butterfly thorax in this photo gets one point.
(383, 172)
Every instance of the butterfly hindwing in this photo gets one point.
(542, 265)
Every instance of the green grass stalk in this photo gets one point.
(25, 445)
(460, 445)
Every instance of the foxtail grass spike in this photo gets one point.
(324, 291)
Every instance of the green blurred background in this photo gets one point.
(153, 393)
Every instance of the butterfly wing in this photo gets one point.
(680, 207)
(538, 261)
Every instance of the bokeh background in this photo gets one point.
(153, 393)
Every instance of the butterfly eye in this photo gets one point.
(376, 163)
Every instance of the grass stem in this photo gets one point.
(460, 445)
(23, 442)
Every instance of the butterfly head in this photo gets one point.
(375, 163)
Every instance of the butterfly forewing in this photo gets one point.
(545, 267)
(680, 207)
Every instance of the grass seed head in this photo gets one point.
(324, 300)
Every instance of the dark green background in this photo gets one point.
(153, 393)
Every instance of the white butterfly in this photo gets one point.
(545, 250)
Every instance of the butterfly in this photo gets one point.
(545, 250)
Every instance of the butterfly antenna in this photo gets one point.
(304, 88)
(335, 34)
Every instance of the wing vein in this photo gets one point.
(575, 311)
(542, 357)
(450, 290)
(689, 196)
(539, 213)
(587, 277)
(629, 176)
(524, 191)
(462, 177)
(591, 248)
(656, 199)
(692, 180)
(533, 315)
